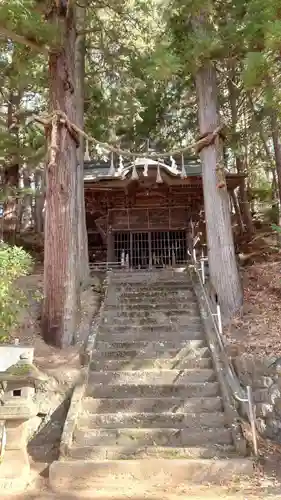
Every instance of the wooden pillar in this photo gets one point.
(188, 243)
(110, 246)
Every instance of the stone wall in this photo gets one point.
(264, 375)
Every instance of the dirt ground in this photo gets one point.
(257, 330)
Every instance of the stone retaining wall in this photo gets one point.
(265, 379)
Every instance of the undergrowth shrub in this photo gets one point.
(14, 263)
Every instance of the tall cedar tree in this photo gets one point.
(222, 261)
(61, 272)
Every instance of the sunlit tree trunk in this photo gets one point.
(61, 273)
(12, 166)
(223, 266)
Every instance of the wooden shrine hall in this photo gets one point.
(138, 215)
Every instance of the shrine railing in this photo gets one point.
(242, 395)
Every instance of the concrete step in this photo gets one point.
(204, 389)
(148, 304)
(156, 284)
(165, 334)
(152, 282)
(151, 420)
(168, 452)
(154, 350)
(152, 319)
(150, 330)
(143, 297)
(136, 294)
(141, 478)
(151, 405)
(152, 377)
(147, 307)
(144, 364)
(157, 323)
(137, 313)
(150, 437)
(148, 346)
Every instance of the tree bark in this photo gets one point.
(61, 284)
(243, 198)
(83, 256)
(271, 157)
(39, 201)
(277, 154)
(223, 267)
(12, 167)
(26, 206)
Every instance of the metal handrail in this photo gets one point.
(239, 393)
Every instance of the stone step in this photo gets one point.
(150, 305)
(151, 377)
(144, 363)
(156, 294)
(149, 437)
(148, 346)
(157, 283)
(168, 452)
(150, 405)
(154, 350)
(135, 314)
(151, 420)
(153, 328)
(157, 322)
(135, 297)
(207, 389)
(141, 478)
(144, 335)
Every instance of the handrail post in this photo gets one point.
(194, 255)
(252, 419)
(219, 319)
(200, 271)
(203, 269)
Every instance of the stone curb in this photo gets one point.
(72, 415)
(86, 355)
(80, 388)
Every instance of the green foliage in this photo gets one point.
(255, 69)
(14, 263)
(276, 228)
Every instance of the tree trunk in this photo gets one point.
(83, 256)
(12, 167)
(277, 155)
(244, 202)
(269, 155)
(26, 206)
(61, 284)
(39, 201)
(223, 267)
(243, 198)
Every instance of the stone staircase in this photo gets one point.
(152, 406)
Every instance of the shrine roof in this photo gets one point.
(96, 171)
(101, 170)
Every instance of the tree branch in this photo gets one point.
(22, 40)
